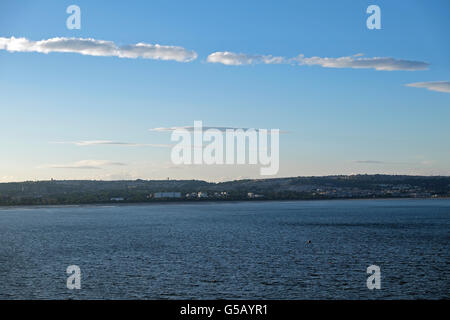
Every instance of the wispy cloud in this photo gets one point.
(440, 86)
(85, 164)
(421, 163)
(354, 62)
(8, 179)
(93, 47)
(191, 128)
(369, 161)
(204, 128)
(427, 162)
(237, 59)
(113, 143)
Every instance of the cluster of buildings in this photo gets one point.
(382, 190)
(315, 191)
(194, 195)
(198, 195)
(190, 195)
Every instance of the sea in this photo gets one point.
(228, 250)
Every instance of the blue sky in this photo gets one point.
(341, 120)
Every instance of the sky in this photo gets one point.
(81, 103)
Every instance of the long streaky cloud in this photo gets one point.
(440, 86)
(113, 143)
(191, 129)
(93, 47)
(359, 62)
(85, 164)
(354, 62)
(369, 161)
(238, 59)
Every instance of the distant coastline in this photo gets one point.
(88, 192)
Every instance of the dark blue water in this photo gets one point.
(246, 250)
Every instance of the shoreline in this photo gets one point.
(205, 201)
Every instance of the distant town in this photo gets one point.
(60, 192)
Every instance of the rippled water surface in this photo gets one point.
(223, 250)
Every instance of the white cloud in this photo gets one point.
(237, 59)
(354, 62)
(102, 142)
(114, 143)
(191, 129)
(359, 62)
(369, 161)
(85, 164)
(93, 47)
(441, 86)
